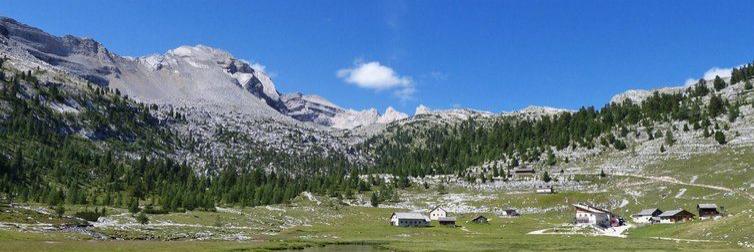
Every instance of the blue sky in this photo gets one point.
(489, 55)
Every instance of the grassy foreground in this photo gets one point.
(311, 223)
(368, 227)
(364, 225)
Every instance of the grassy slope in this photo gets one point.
(328, 223)
(730, 168)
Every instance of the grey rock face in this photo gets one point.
(197, 76)
(310, 108)
(81, 56)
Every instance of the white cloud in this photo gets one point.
(405, 93)
(375, 76)
(258, 67)
(715, 71)
(710, 75)
(690, 82)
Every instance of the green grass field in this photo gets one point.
(305, 223)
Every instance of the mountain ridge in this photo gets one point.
(188, 75)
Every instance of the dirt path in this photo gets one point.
(680, 193)
(469, 231)
(588, 231)
(682, 240)
(676, 181)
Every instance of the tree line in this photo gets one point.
(426, 149)
(87, 156)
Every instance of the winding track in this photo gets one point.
(676, 181)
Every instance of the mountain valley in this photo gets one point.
(196, 145)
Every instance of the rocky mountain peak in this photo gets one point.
(198, 76)
(391, 115)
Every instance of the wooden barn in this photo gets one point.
(447, 221)
(707, 211)
(674, 216)
(480, 219)
(646, 215)
(524, 173)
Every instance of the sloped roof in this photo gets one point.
(410, 215)
(673, 213)
(436, 208)
(648, 212)
(524, 170)
(591, 208)
(446, 219)
(479, 217)
(707, 206)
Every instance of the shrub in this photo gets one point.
(60, 210)
(619, 145)
(720, 137)
(142, 218)
(133, 206)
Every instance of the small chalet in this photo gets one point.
(545, 190)
(646, 215)
(437, 213)
(674, 216)
(707, 211)
(591, 215)
(480, 219)
(524, 173)
(447, 221)
(509, 212)
(409, 220)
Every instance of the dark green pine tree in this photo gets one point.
(142, 218)
(720, 137)
(719, 83)
(133, 205)
(546, 177)
(669, 139)
(551, 160)
(375, 199)
(715, 106)
(699, 89)
(60, 209)
(623, 131)
(733, 112)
